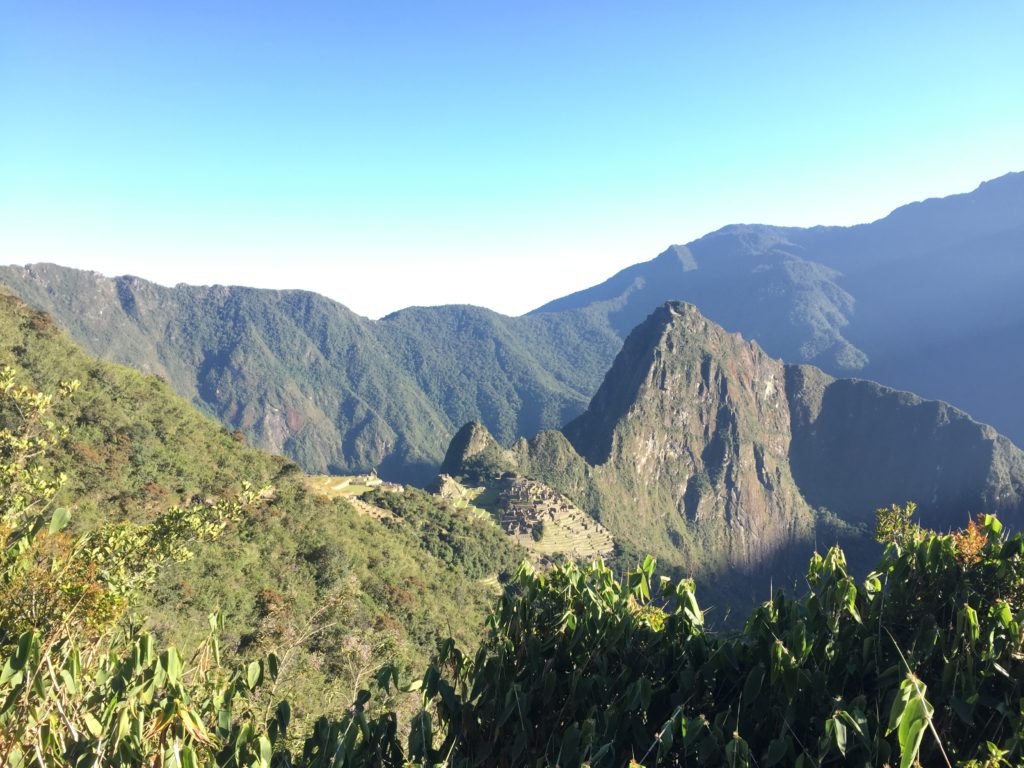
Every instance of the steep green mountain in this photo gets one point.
(925, 299)
(301, 375)
(336, 592)
(722, 461)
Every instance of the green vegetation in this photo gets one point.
(75, 688)
(922, 663)
(473, 545)
(156, 609)
(336, 592)
(704, 452)
(303, 376)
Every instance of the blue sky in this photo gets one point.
(496, 153)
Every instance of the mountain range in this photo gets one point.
(925, 299)
(724, 462)
(303, 376)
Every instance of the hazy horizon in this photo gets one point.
(383, 275)
(397, 155)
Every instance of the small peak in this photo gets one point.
(670, 314)
(471, 440)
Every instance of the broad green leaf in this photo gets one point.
(752, 686)
(962, 709)
(839, 735)
(909, 717)
(61, 518)
(171, 662)
(777, 751)
(284, 715)
(266, 752)
(253, 673)
(93, 725)
(1004, 614)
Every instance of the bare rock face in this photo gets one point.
(695, 421)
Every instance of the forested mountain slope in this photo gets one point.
(577, 666)
(360, 591)
(303, 376)
(926, 299)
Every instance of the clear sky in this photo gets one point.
(495, 153)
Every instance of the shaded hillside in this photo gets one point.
(925, 299)
(700, 448)
(301, 375)
(300, 563)
(857, 445)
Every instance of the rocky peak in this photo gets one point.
(703, 450)
(679, 371)
(474, 453)
(696, 420)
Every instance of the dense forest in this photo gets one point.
(925, 299)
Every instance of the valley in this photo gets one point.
(733, 469)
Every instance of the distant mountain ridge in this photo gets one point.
(702, 449)
(306, 377)
(926, 300)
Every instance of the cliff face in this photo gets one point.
(703, 450)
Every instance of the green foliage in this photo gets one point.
(923, 661)
(335, 593)
(894, 526)
(73, 688)
(474, 545)
(301, 375)
(537, 532)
